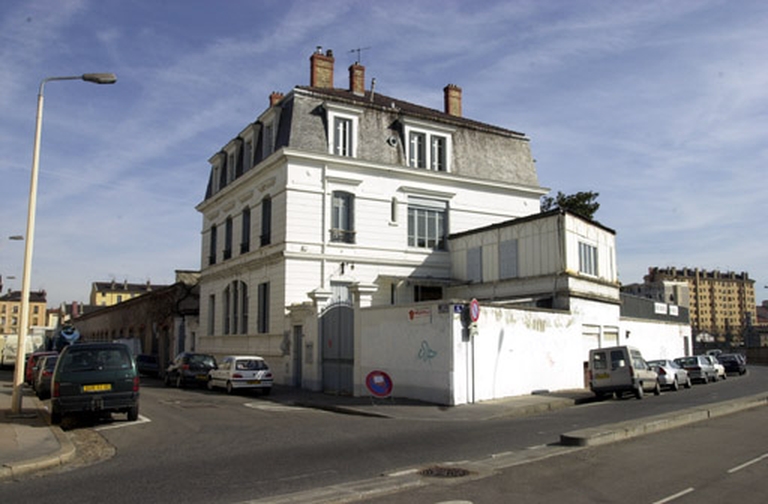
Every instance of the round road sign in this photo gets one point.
(379, 383)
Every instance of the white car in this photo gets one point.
(235, 372)
(721, 374)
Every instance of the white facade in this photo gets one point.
(510, 351)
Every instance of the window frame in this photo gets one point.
(427, 157)
(245, 230)
(588, 259)
(212, 245)
(336, 112)
(228, 231)
(263, 314)
(342, 232)
(425, 213)
(265, 237)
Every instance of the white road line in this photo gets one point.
(119, 425)
(746, 464)
(274, 407)
(675, 496)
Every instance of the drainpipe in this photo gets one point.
(323, 226)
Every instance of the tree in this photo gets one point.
(583, 203)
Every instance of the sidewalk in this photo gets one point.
(28, 443)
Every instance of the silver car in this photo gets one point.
(699, 368)
(671, 375)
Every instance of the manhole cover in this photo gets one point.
(444, 472)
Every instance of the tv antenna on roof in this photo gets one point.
(358, 51)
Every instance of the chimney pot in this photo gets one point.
(274, 98)
(321, 70)
(452, 98)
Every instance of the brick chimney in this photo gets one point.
(274, 98)
(321, 69)
(452, 97)
(357, 79)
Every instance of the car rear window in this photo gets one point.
(95, 359)
(206, 360)
(251, 365)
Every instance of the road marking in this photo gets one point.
(119, 425)
(675, 496)
(274, 407)
(749, 463)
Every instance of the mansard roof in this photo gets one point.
(383, 102)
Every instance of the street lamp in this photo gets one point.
(18, 374)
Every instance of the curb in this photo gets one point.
(611, 433)
(64, 454)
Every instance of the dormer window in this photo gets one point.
(269, 121)
(343, 129)
(428, 146)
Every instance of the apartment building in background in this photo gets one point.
(10, 311)
(112, 292)
(721, 304)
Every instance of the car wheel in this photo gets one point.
(230, 389)
(675, 385)
(55, 417)
(133, 413)
(639, 391)
(657, 388)
(725, 376)
(180, 381)
(688, 383)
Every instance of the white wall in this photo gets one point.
(514, 351)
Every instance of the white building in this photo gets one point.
(336, 204)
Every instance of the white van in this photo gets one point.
(615, 370)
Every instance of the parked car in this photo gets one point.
(45, 367)
(97, 378)
(734, 363)
(31, 363)
(237, 372)
(670, 374)
(721, 374)
(699, 368)
(189, 368)
(148, 365)
(621, 369)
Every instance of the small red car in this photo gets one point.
(32, 360)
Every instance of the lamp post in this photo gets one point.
(18, 374)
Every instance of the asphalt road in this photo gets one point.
(720, 460)
(199, 446)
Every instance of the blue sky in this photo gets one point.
(660, 106)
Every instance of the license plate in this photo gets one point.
(254, 382)
(601, 376)
(202, 377)
(100, 387)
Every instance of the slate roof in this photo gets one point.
(409, 109)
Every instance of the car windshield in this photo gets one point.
(96, 359)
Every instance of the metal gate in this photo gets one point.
(338, 343)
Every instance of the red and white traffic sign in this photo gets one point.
(474, 310)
